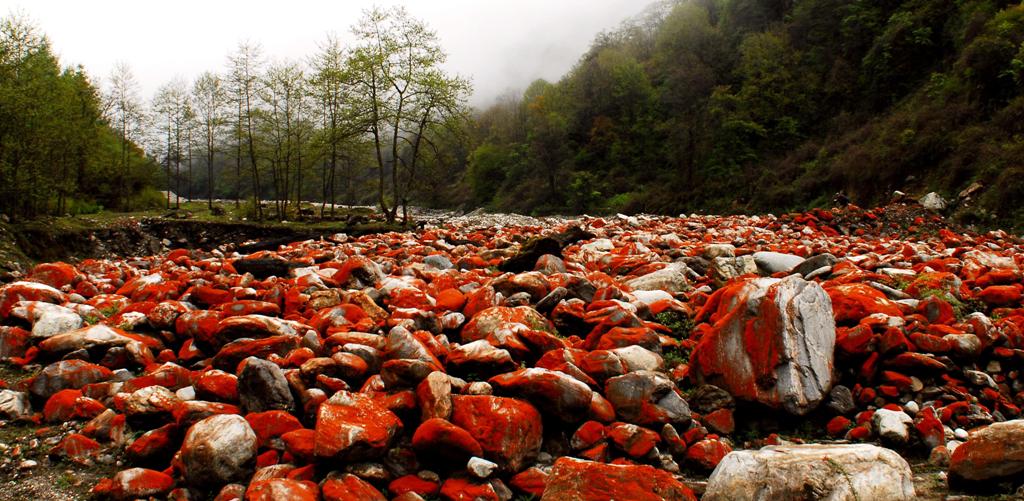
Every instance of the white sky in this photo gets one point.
(501, 44)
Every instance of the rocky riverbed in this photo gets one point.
(842, 354)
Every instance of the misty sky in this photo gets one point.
(501, 44)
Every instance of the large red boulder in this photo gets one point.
(991, 454)
(771, 341)
(508, 430)
(576, 480)
(354, 426)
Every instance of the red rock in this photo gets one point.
(67, 374)
(531, 481)
(554, 392)
(508, 430)
(249, 307)
(14, 342)
(154, 447)
(929, 428)
(66, 405)
(10, 294)
(300, 443)
(108, 426)
(484, 323)
(217, 385)
(772, 341)
(412, 483)
(575, 480)
(937, 310)
(991, 454)
(440, 438)
(707, 453)
(282, 488)
(75, 447)
(271, 424)
(1001, 295)
(463, 489)
(632, 439)
(855, 340)
(134, 483)
(838, 426)
(353, 426)
(450, 300)
(587, 435)
(720, 421)
(234, 352)
(55, 275)
(852, 302)
(348, 487)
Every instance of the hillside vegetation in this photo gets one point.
(752, 105)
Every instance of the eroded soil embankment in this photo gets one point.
(24, 245)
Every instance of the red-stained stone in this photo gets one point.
(66, 405)
(991, 454)
(134, 483)
(282, 488)
(929, 428)
(838, 426)
(347, 487)
(531, 481)
(440, 438)
(271, 424)
(14, 342)
(484, 323)
(852, 302)
(154, 447)
(508, 430)
(412, 483)
(450, 300)
(75, 447)
(10, 294)
(720, 421)
(587, 435)
(707, 453)
(55, 275)
(464, 489)
(1001, 295)
(634, 440)
(300, 443)
(353, 426)
(217, 385)
(575, 480)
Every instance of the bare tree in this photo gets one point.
(126, 114)
(244, 83)
(209, 97)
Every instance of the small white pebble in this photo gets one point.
(960, 434)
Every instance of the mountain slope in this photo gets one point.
(751, 105)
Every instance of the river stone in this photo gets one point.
(671, 278)
(263, 387)
(219, 450)
(853, 472)
(774, 262)
(992, 453)
(772, 341)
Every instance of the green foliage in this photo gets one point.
(673, 357)
(55, 145)
(149, 199)
(747, 105)
(680, 324)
